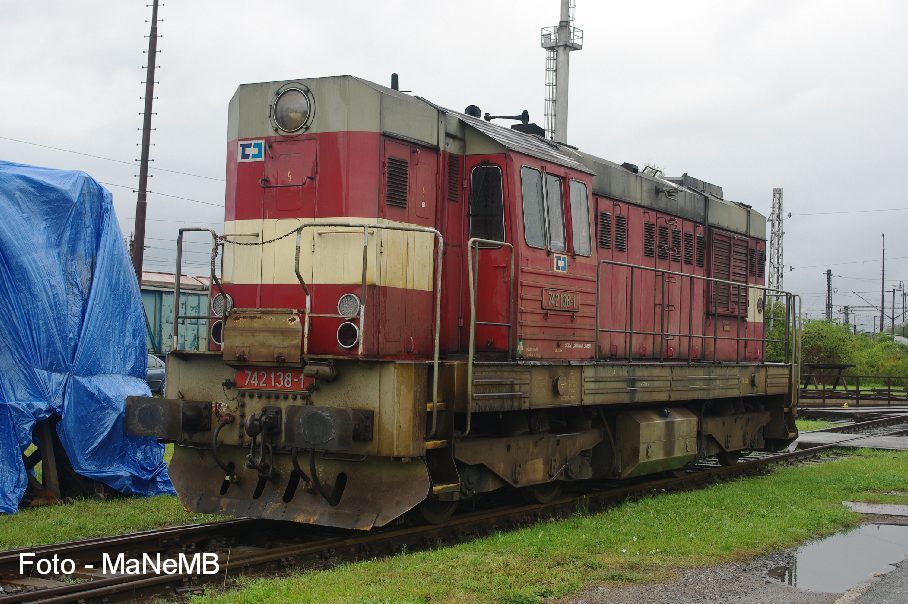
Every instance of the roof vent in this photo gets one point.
(630, 167)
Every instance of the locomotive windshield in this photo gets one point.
(486, 203)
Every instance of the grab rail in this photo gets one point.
(362, 306)
(473, 244)
(177, 317)
(791, 339)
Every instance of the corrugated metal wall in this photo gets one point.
(159, 314)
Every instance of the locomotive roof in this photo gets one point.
(352, 103)
(527, 144)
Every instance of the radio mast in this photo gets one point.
(559, 41)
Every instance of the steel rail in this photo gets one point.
(353, 545)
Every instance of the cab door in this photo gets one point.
(491, 263)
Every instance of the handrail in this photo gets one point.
(362, 306)
(792, 320)
(178, 277)
(473, 243)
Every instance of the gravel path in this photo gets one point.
(742, 583)
(754, 581)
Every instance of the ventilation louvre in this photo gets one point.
(454, 178)
(621, 233)
(761, 264)
(676, 245)
(701, 250)
(663, 243)
(398, 182)
(649, 239)
(688, 248)
(605, 231)
(721, 269)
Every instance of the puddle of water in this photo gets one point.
(839, 562)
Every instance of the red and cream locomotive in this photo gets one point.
(415, 306)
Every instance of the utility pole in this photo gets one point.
(845, 310)
(138, 246)
(559, 41)
(776, 255)
(829, 295)
(892, 329)
(904, 294)
(883, 289)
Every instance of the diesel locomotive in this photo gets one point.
(413, 306)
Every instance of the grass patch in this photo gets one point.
(637, 541)
(805, 425)
(86, 518)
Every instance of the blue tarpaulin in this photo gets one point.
(72, 332)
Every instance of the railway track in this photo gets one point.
(248, 545)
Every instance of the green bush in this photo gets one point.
(871, 354)
(825, 342)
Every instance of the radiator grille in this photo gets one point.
(676, 245)
(721, 269)
(398, 182)
(454, 178)
(621, 233)
(663, 243)
(605, 230)
(649, 239)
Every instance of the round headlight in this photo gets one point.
(221, 304)
(348, 306)
(217, 333)
(348, 335)
(292, 110)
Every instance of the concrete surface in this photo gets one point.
(891, 588)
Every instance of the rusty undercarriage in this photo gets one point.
(364, 444)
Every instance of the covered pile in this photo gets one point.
(72, 332)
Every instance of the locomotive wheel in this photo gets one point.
(728, 458)
(542, 493)
(432, 511)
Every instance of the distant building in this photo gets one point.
(157, 298)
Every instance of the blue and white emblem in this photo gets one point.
(251, 151)
(560, 263)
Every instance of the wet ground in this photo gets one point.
(856, 566)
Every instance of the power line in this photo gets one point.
(176, 220)
(204, 203)
(112, 159)
(794, 268)
(849, 212)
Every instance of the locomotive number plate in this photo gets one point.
(558, 299)
(273, 379)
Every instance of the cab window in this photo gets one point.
(580, 218)
(555, 210)
(543, 211)
(533, 207)
(486, 203)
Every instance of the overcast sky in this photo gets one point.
(808, 95)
